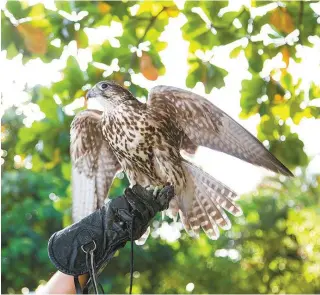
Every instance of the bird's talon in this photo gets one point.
(156, 191)
(150, 187)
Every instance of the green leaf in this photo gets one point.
(210, 75)
(274, 88)
(38, 17)
(314, 91)
(138, 91)
(212, 9)
(215, 77)
(290, 152)
(16, 9)
(49, 107)
(251, 91)
(82, 39)
(235, 52)
(37, 163)
(66, 170)
(11, 51)
(282, 111)
(159, 46)
(9, 34)
(74, 76)
(244, 18)
(254, 58)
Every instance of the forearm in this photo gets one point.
(61, 283)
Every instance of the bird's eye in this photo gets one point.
(104, 86)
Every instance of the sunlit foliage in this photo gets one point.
(274, 248)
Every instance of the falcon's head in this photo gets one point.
(109, 94)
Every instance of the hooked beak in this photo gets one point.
(90, 94)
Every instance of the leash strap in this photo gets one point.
(77, 285)
(92, 267)
(89, 250)
(131, 258)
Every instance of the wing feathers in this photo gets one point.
(207, 125)
(210, 200)
(82, 186)
(93, 164)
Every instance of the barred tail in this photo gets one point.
(211, 198)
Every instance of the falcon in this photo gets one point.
(145, 140)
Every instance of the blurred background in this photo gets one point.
(258, 61)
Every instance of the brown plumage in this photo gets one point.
(93, 164)
(146, 140)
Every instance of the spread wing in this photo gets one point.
(93, 164)
(206, 125)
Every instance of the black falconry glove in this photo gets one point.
(88, 245)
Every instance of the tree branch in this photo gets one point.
(134, 55)
(152, 20)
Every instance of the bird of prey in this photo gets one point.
(145, 140)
